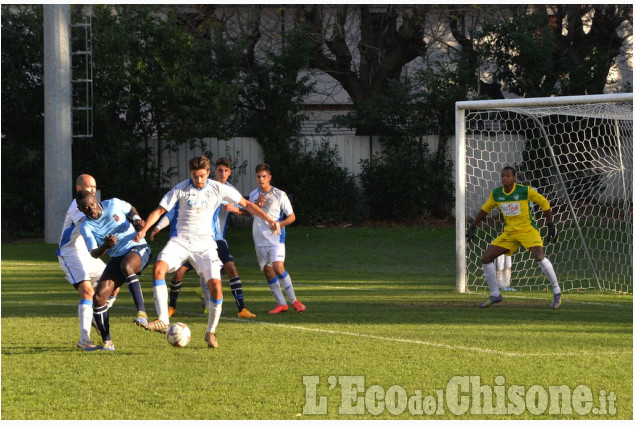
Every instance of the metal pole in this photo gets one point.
(58, 134)
(459, 208)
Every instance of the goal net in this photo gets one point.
(577, 152)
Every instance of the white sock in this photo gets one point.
(274, 287)
(205, 290)
(215, 309)
(85, 312)
(160, 290)
(547, 269)
(111, 300)
(285, 282)
(489, 272)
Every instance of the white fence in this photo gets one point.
(351, 149)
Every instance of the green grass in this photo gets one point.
(381, 307)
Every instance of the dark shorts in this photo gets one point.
(223, 252)
(114, 265)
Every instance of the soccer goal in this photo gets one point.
(577, 151)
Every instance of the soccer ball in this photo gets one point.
(179, 334)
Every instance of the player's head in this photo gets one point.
(199, 171)
(263, 176)
(87, 204)
(86, 182)
(508, 176)
(222, 170)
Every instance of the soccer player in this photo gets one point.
(222, 172)
(80, 268)
(109, 227)
(270, 248)
(513, 200)
(196, 201)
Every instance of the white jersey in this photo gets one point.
(195, 209)
(222, 219)
(71, 241)
(277, 205)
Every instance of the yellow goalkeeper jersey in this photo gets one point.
(515, 207)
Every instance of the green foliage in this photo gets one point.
(407, 184)
(323, 192)
(22, 120)
(407, 181)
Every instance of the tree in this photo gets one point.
(556, 50)
(386, 39)
(22, 120)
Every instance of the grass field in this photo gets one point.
(385, 336)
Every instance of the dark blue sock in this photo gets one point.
(175, 291)
(102, 319)
(236, 287)
(134, 286)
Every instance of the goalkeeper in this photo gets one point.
(513, 200)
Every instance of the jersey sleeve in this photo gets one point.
(285, 205)
(537, 198)
(169, 200)
(490, 204)
(77, 216)
(231, 195)
(89, 238)
(122, 206)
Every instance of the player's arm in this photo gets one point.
(163, 223)
(152, 218)
(288, 220)
(236, 210)
(109, 242)
(255, 211)
(487, 207)
(135, 219)
(537, 198)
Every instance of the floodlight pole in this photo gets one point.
(58, 131)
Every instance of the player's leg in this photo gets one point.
(264, 261)
(176, 283)
(173, 255)
(285, 282)
(208, 266)
(85, 313)
(489, 272)
(131, 265)
(105, 288)
(235, 284)
(538, 254)
(81, 270)
(215, 310)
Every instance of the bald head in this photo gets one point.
(86, 182)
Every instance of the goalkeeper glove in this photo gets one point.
(552, 232)
(469, 235)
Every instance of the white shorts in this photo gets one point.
(200, 251)
(269, 254)
(80, 267)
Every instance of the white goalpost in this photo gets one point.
(577, 151)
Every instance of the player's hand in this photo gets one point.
(110, 240)
(469, 235)
(154, 232)
(138, 224)
(140, 235)
(276, 229)
(261, 201)
(552, 232)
